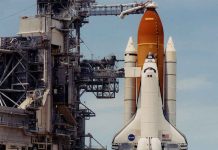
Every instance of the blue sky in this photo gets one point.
(193, 24)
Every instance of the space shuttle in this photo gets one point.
(150, 91)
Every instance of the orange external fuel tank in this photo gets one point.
(151, 39)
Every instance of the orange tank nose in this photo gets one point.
(151, 39)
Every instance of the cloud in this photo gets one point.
(193, 83)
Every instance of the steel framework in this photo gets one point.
(44, 76)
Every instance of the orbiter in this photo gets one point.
(150, 91)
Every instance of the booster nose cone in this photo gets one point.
(130, 48)
(170, 45)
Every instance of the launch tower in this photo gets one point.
(43, 76)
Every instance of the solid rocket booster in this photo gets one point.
(151, 39)
(170, 82)
(129, 83)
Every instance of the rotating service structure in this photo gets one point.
(44, 75)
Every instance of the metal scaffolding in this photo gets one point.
(43, 73)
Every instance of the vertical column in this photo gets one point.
(130, 83)
(170, 82)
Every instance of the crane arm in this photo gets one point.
(117, 10)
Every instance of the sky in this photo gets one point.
(193, 24)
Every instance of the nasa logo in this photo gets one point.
(131, 137)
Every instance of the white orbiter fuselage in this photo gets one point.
(148, 129)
